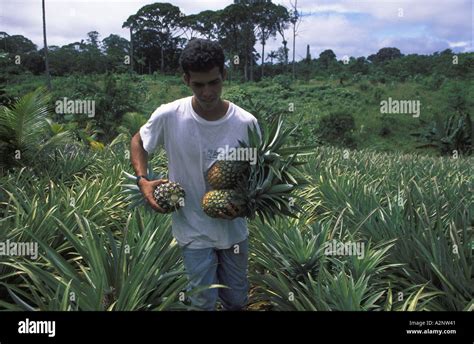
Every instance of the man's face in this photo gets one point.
(206, 86)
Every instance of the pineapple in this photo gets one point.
(169, 196)
(263, 189)
(216, 201)
(225, 174)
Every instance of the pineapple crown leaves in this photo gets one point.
(272, 180)
(273, 137)
(151, 175)
(133, 192)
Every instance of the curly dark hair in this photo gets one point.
(201, 55)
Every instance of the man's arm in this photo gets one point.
(138, 156)
(139, 160)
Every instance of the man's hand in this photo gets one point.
(147, 188)
(230, 210)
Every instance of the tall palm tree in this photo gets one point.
(48, 76)
(272, 55)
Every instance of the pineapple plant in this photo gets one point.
(264, 188)
(169, 196)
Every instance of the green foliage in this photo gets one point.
(131, 123)
(385, 54)
(115, 99)
(434, 82)
(421, 203)
(377, 94)
(457, 97)
(264, 111)
(26, 138)
(292, 271)
(336, 128)
(284, 81)
(327, 58)
(409, 211)
(364, 86)
(106, 273)
(90, 246)
(453, 135)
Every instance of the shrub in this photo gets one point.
(364, 86)
(336, 128)
(284, 81)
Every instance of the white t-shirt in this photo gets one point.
(191, 144)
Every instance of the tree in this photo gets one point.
(67, 59)
(358, 65)
(115, 48)
(190, 25)
(326, 58)
(204, 24)
(132, 24)
(93, 39)
(46, 62)
(385, 54)
(267, 17)
(282, 55)
(155, 25)
(237, 37)
(207, 23)
(272, 55)
(295, 19)
(283, 25)
(92, 58)
(18, 45)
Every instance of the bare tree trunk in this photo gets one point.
(162, 66)
(263, 56)
(246, 69)
(46, 61)
(294, 36)
(131, 48)
(251, 64)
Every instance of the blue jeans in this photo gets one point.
(210, 266)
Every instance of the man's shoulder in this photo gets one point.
(170, 108)
(174, 105)
(243, 115)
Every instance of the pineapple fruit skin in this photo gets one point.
(169, 196)
(225, 174)
(216, 201)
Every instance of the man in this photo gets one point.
(192, 130)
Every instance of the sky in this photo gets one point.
(348, 27)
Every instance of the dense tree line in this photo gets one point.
(158, 33)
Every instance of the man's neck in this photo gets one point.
(213, 114)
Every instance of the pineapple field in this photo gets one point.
(380, 231)
(214, 166)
